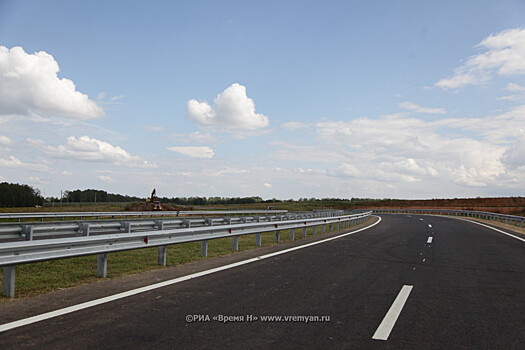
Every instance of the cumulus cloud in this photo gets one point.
(194, 151)
(6, 141)
(86, 148)
(29, 84)
(504, 55)
(15, 163)
(105, 178)
(233, 109)
(418, 109)
(408, 149)
(514, 157)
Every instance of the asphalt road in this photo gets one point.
(468, 291)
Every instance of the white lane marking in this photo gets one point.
(384, 329)
(493, 228)
(429, 225)
(420, 219)
(429, 240)
(88, 304)
(424, 260)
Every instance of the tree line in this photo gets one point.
(15, 195)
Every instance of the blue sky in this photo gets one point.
(405, 99)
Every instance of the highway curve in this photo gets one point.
(456, 285)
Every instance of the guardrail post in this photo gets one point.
(277, 235)
(102, 265)
(204, 247)
(126, 226)
(209, 221)
(8, 281)
(85, 229)
(304, 232)
(323, 228)
(314, 229)
(159, 224)
(187, 223)
(27, 231)
(258, 239)
(161, 257)
(235, 243)
(292, 234)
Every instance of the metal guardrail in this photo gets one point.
(82, 214)
(14, 253)
(39, 230)
(518, 221)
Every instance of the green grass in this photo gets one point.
(39, 278)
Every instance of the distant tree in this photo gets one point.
(15, 195)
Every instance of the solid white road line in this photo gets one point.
(384, 329)
(429, 240)
(493, 228)
(88, 304)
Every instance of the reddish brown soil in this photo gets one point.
(150, 206)
(505, 205)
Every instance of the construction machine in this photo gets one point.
(154, 200)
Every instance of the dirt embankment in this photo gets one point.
(150, 207)
(505, 205)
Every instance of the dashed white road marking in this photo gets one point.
(424, 260)
(421, 219)
(429, 225)
(429, 240)
(384, 329)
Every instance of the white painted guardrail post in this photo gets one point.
(304, 232)
(235, 243)
(277, 236)
(102, 265)
(8, 281)
(258, 239)
(292, 234)
(204, 248)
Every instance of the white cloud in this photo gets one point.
(296, 125)
(15, 163)
(197, 136)
(515, 87)
(267, 185)
(194, 151)
(86, 148)
(6, 141)
(153, 127)
(233, 109)
(418, 109)
(67, 173)
(105, 178)
(38, 180)
(29, 83)
(505, 55)
(514, 157)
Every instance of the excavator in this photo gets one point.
(154, 200)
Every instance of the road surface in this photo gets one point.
(413, 282)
